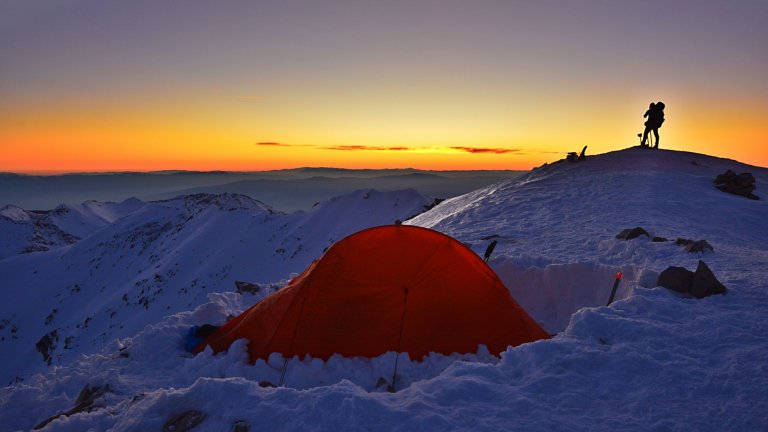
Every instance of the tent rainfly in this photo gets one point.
(389, 288)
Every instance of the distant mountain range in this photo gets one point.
(284, 190)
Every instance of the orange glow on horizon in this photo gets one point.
(145, 86)
(233, 137)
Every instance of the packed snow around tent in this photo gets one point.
(654, 359)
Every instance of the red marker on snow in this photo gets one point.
(615, 286)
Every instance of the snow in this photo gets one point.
(161, 258)
(652, 360)
(14, 213)
(35, 231)
(83, 219)
(552, 294)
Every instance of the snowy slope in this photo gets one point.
(653, 360)
(555, 226)
(26, 232)
(83, 219)
(161, 258)
(35, 231)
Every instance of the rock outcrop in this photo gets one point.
(630, 233)
(701, 283)
(738, 184)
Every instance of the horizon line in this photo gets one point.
(52, 173)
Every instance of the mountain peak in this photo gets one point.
(196, 203)
(15, 214)
(644, 158)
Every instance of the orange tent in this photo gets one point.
(389, 288)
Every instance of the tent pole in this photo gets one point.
(391, 387)
(293, 339)
(282, 374)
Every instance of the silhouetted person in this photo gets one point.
(489, 250)
(655, 116)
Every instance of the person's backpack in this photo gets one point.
(659, 114)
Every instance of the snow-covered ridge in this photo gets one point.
(197, 203)
(556, 225)
(562, 211)
(36, 231)
(14, 214)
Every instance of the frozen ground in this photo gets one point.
(652, 360)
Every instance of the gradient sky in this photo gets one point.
(103, 85)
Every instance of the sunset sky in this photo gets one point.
(107, 85)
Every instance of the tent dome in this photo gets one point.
(389, 288)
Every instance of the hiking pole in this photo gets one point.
(615, 286)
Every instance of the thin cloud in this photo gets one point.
(496, 150)
(279, 144)
(249, 97)
(421, 149)
(365, 148)
(362, 148)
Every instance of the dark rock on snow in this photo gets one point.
(699, 246)
(700, 284)
(185, 421)
(46, 345)
(738, 184)
(694, 246)
(86, 402)
(241, 426)
(630, 233)
(705, 283)
(246, 287)
(677, 279)
(659, 239)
